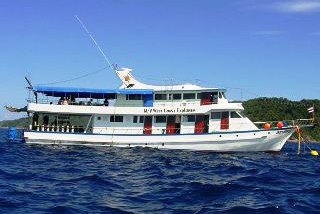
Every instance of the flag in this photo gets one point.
(311, 109)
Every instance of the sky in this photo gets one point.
(252, 48)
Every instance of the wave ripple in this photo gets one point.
(58, 179)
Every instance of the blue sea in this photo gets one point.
(60, 179)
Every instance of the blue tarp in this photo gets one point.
(87, 92)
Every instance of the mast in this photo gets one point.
(96, 44)
(124, 74)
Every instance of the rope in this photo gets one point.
(75, 78)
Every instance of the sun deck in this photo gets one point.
(127, 97)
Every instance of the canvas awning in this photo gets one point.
(87, 92)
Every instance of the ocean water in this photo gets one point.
(59, 179)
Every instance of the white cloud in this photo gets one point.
(297, 6)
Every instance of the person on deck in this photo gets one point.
(60, 102)
(90, 102)
(65, 101)
(106, 102)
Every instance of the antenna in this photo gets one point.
(96, 44)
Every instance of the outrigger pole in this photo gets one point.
(30, 87)
(96, 44)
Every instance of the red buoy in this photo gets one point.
(267, 126)
(280, 125)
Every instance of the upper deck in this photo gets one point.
(79, 98)
(132, 95)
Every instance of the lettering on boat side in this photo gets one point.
(166, 110)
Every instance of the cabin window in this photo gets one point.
(221, 95)
(161, 119)
(141, 119)
(199, 96)
(133, 97)
(234, 114)
(135, 119)
(176, 96)
(242, 114)
(215, 96)
(215, 115)
(189, 96)
(160, 96)
(116, 119)
(189, 118)
(98, 118)
(169, 96)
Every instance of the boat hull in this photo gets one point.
(248, 141)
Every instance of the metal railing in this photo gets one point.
(140, 130)
(286, 123)
(111, 130)
(165, 130)
(78, 103)
(123, 103)
(52, 128)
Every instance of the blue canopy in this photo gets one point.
(87, 92)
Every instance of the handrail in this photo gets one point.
(123, 103)
(165, 130)
(78, 103)
(53, 128)
(288, 123)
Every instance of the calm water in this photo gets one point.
(56, 179)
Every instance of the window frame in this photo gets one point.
(215, 113)
(174, 96)
(135, 119)
(162, 96)
(237, 113)
(134, 97)
(188, 98)
(116, 119)
(188, 117)
(156, 119)
(199, 96)
(141, 119)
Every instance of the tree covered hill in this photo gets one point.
(21, 123)
(278, 109)
(258, 109)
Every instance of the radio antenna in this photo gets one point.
(96, 44)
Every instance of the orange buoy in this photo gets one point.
(280, 125)
(267, 126)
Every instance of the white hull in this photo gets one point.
(249, 141)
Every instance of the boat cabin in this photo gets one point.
(135, 111)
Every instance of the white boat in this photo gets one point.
(184, 116)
